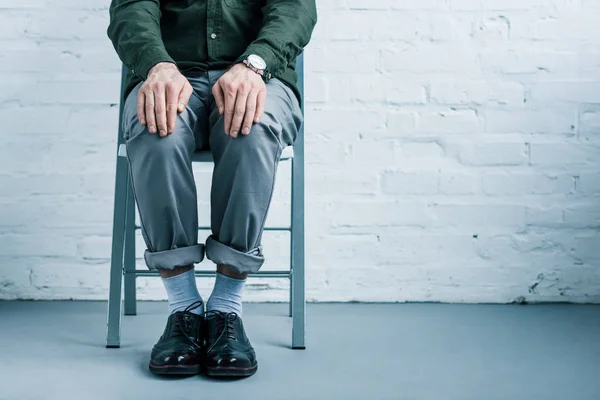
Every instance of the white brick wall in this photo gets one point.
(453, 152)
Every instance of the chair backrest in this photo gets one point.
(299, 71)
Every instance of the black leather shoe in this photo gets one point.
(180, 349)
(229, 352)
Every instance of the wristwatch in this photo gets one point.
(258, 65)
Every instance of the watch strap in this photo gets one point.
(264, 73)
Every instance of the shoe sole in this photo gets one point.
(171, 370)
(231, 372)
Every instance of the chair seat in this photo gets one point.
(206, 156)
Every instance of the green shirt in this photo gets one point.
(199, 35)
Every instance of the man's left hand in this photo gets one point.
(240, 96)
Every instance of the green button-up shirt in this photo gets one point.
(210, 34)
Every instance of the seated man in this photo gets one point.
(218, 75)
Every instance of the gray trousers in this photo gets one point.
(242, 182)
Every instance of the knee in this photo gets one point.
(261, 143)
(140, 142)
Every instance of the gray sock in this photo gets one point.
(182, 292)
(226, 295)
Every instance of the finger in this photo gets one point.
(141, 102)
(149, 108)
(217, 92)
(172, 106)
(250, 112)
(184, 96)
(260, 105)
(160, 109)
(230, 94)
(238, 112)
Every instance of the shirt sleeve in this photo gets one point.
(134, 30)
(286, 30)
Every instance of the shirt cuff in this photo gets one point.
(147, 59)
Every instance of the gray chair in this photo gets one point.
(123, 260)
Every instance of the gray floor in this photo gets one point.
(55, 350)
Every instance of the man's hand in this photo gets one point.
(162, 95)
(240, 96)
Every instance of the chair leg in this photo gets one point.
(297, 241)
(113, 337)
(129, 261)
(291, 293)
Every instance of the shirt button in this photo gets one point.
(213, 35)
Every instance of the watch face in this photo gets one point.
(257, 61)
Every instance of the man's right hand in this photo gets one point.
(164, 93)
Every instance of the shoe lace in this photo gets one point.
(183, 322)
(224, 324)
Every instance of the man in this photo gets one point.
(218, 75)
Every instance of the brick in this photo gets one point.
(14, 279)
(362, 151)
(354, 88)
(342, 182)
(491, 28)
(357, 58)
(55, 212)
(458, 183)
(493, 154)
(421, 150)
(589, 122)
(324, 152)
(377, 213)
(436, 5)
(559, 121)
(473, 92)
(417, 156)
(493, 5)
(564, 29)
(449, 28)
(316, 90)
(479, 215)
(356, 249)
(76, 4)
(35, 119)
(37, 245)
(512, 61)
(15, 24)
(544, 216)
(82, 25)
(583, 215)
(585, 246)
(54, 156)
(588, 183)
(430, 58)
(566, 152)
(564, 91)
(95, 248)
(401, 123)
(449, 121)
(519, 184)
(345, 122)
(70, 281)
(391, 25)
(399, 92)
(397, 4)
(422, 182)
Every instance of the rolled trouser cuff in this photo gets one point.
(171, 259)
(220, 253)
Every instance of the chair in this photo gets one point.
(122, 265)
